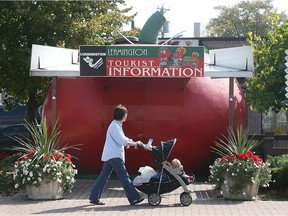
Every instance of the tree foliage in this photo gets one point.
(54, 23)
(238, 20)
(267, 87)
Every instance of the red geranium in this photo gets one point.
(55, 157)
(257, 160)
(45, 157)
(25, 157)
(68, 157)
(228, 157)
(248, 155)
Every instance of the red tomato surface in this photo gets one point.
(195, 111)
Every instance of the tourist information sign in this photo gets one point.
(142, 61)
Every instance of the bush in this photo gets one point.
(279, 168)
(6, 173)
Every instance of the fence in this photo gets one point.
(272, 144)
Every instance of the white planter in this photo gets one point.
(248, 193)
(45, 191)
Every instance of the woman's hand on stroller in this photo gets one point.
(147, 146)
(138, 143)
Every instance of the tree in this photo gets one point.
(54, 23)
(238, 20)
(266, 89)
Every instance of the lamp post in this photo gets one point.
(54, 101)
(286, 76)
(231, 101)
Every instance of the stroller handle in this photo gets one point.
(146, 146)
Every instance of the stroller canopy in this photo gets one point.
(162, 152)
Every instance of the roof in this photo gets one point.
(61, 62)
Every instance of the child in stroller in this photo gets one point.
(166, 179)
(177, 166)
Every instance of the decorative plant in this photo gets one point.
(43, 159)
(238, 161)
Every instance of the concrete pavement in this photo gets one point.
(206, 201)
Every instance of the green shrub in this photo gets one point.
(6, 173)
(279, 167)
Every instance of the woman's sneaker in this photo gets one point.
(140, 199)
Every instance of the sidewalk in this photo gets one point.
(205, 202)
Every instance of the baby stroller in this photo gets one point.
(168, 179)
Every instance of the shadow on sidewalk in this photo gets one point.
(93, 208)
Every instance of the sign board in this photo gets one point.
(234, 57)
(141, 61)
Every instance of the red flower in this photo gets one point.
(24, 157)
(228, 157)
(250, 153)
(45, 157)
(225, 157)
(257, 160)
(68, 157)
(56, 157)
(4, 155)
(240, 156)
(243, 156)
(232, 158)
(32, 152)
(60, 155)
(246, 156)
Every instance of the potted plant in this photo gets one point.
(44, 167)
(238, 172)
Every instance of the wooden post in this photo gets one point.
(231, 101)
(54, 101)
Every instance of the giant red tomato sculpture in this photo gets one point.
(195, 111)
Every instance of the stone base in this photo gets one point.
(249, 192)
(46, 191)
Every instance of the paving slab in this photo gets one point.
(206, 201)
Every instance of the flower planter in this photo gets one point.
(249, 192)
(43, 160)
(45, 191)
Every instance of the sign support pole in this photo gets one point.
(54, 101)
(231, 101)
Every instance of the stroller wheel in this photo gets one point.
(154, 199)
(185, 199)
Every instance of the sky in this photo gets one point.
(182, 14)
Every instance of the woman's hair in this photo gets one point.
(119, 112)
